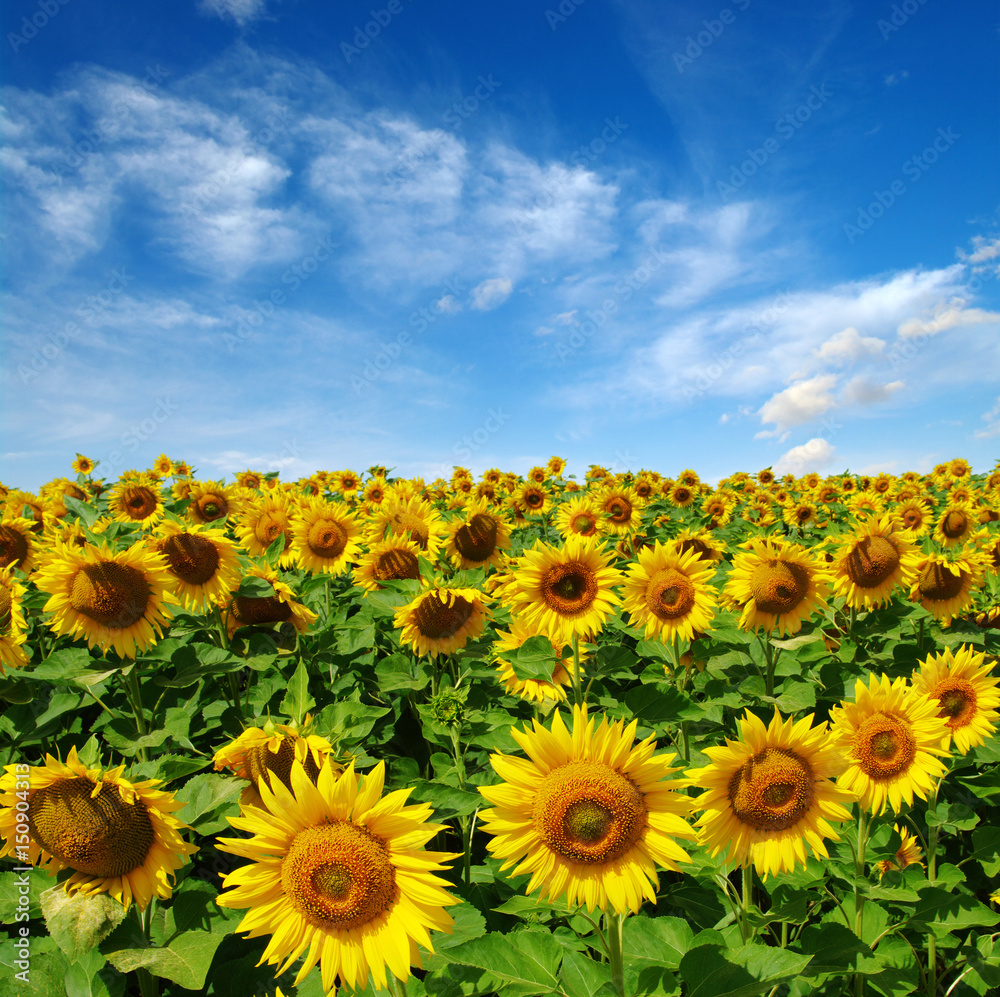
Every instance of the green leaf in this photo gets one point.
(834, 948)
(952, 911)
(208, 799)
(45, 975)
(77, 922)
(581, 976)
(273, 553)
(534, 659)
(83, 510)
(986, 844)
(952, 817)
(659, 941)
(447, 801)
(523, 962)
(121, 734)
(297, 702)
(713, 971)
(398, 671)
(657, 710)
(255, 587)
(13, 903)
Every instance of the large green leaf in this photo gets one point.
(77, 922)
(297, 702)
(523, 962)
(713, 971)
(208, 799)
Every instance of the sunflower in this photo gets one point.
(17, 544)
(533, 498)
(162, 466)
(409, 519)
(908, 853)
(203, 561)
(800, 514)
(891, 736)
(83, 465)
(620, 510)
(339, 874)
(117, 836)
(117, 600)
(442, 620)
(765, 477)
(596, 473)
(478, 539)
(555, 466)
(865, 503)
(182, 469)
(944, 585)
(347, 483)
(771, 793)
(965, 692)
(670, 592)
(956, 524)
(533, 690)
(590, 814)
(916, 516)
(579, 517)
(211, 500)
(247, 611)
(12, 626)
(779, 584)
(680, 495)
(959, 468)
(567, 592)
(249, 479)
(263, 521)
(269, 751)
(718, 506)
(136, 500)
(390, 560)
(538, 475)
(18, 502)
(871, 562)
(325, 536)
(375, 492)
(702, 542)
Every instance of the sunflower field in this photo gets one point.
(511, 735)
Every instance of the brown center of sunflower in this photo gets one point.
(871, 561)
(534, 498)
(270, 526)
(476, 540)
(585, 523)
(778, 586)
(138, 502)
(98, 835)
(958, 701)
(587, 812)
(394, 564)
(260, 759)
(955, 524)
(210, 507)
(670, 594)
(772, 790)
(939, 583)
(885, 746)
(114, 595)
(437, 619)
(6, 601)
(619, 510)
(339, 875)
(269, 609)
(569, 589)
(408, 524)
(13, 546)
(193, 559)
(682, 495)
(912, 517)
(698, 546)
(327, 538)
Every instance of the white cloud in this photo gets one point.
(448, 305)
(984, 252)
(800, 403)
(491, 293)
(992, 418)
(815, 455)
(849, 346)
(566, 318)
(862, 391)
(893, 79)
(950, 317)
(241, 11)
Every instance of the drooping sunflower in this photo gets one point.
(908, 853)
(326, 537)
(771, 793)
(202, 560)
(17, 543)
(670, 592)
(263, 521)
(565, 592)
(779, 585)
(136, 500)
(944, 584)
(211, 500)
(442, 620)
(893, 740)
(478, 538)
(873, 561)
(966, 694)
(703, 542)
(620, 510)
(12, 626)
(120, 600)
(533, 690)
(246, 611)
(590, 814)
(956, 524)
(408, 519)
(579, 516)
(118, 837)
(393, 559)
(339, 874)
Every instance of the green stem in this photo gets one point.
(770, 658)
(859, 900)
(397, 986)
(149, 985)
(577, 677)
(745, 928)
(851, 622)
(135, 698)
(932, 843)
(616, 953)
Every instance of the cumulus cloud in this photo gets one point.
(812, 456)
(491, 293)
(802, 402)
(849, 346)
(947, 318)
(984, 252)
(863, 391)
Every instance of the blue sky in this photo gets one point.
(297, 235)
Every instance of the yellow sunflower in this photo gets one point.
(620, 510)
(681, 495)
(670, 592)
(17, 544)
(956, 524)
(944, 585)
(533, 498)
(590, 814)
(375, 492)
(538, 475)
(873, 561)
(908, 853)
(341, 875)
(555, 466)
(12, 625)
(408, 519)
(393, 559)
(249, 479)
(892, 738)
(83, 465)
(136, 500)
(533, 690)
(779, 584)
(479, 538)
(707, 546)
(19, 502)
(202, 560)
(965, 692)
(162, 466)
(347, 483)
(211, 500)
(565, 593)
(800, 514)
(442, 620)
(579, 516)
(916, 516)
(118, 600)
(247, 611)
(263, 521)
(771, 793)
(325, 536)
(118, 837)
